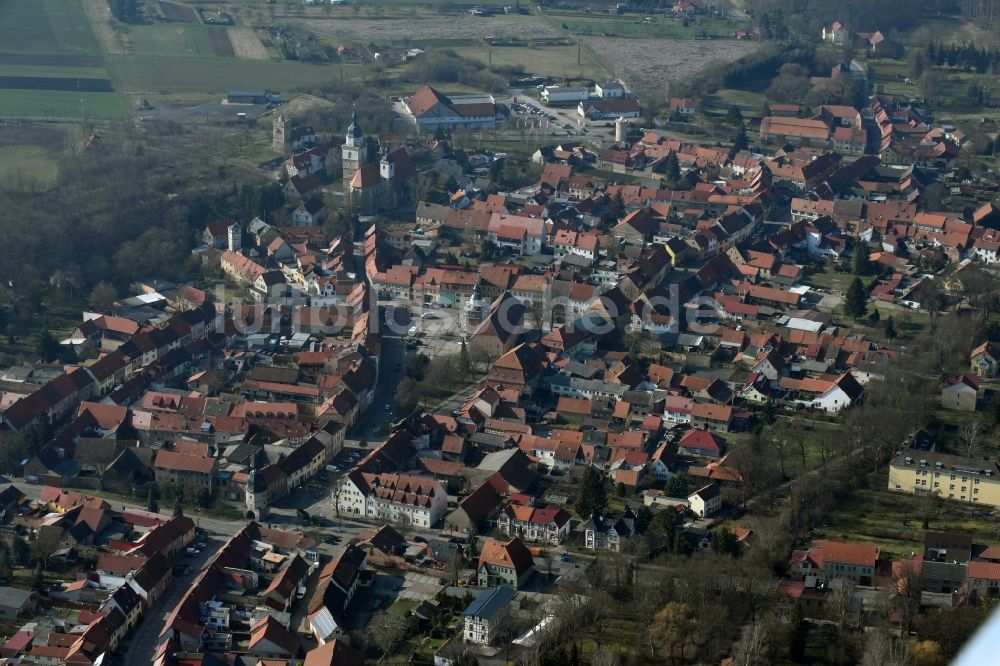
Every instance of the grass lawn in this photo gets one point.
(403, 606)
(53, 71)
(835, 280)
(62, 103)
(895, 521)
(551, 60)
(45, 26)
(156, 74)
(28, 167)
(749, 102)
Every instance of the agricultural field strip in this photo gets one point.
(220, 42)
(649, 65)
(180, 13)
(247, 44)
(55, 83)
(450, 27)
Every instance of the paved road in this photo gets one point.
(212, 525)
(392, 367)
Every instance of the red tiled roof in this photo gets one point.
(183, 462)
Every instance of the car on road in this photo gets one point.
(331, 539)
(182, 570)
(388, 407)
(566, 558)
(191, 552)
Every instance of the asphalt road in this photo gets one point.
(393, 355)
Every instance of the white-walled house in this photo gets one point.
(486, 617)
(705, 501)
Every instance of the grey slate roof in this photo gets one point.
(490, 602)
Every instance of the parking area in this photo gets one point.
(425, 328)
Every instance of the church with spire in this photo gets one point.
(376, 178)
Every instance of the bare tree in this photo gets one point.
(388, 631)
(756, 646)
(969, 434)
(673, 626)
(884, 649)
(841, 603)
(46, 543)
(335, 494)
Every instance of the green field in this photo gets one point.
(45, 26)
(61, 103)
(550, 60)
(53, 71)
(172, 39)
(165, 75)
(51, 38)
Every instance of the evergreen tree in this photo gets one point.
(592, 497)
(21, 551)
(859, 262)
(676, 486)
(890, 328)
(38, 582)
(856, 302)
(734, 116)
(463, 358)
(770, 414)
(178, 510)
(740, 140)
(672, 168)
(48, 347)
(151, 503)
(799, 631)
(724, 542)
(618, 206)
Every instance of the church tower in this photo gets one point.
(387, 180)
(387, 167)
(256, 496)
(354, 152)
(279, 134)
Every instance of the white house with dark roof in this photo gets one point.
(486, 617)
(705, 501)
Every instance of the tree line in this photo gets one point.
(125, 11)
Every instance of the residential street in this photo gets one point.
(142, 645)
